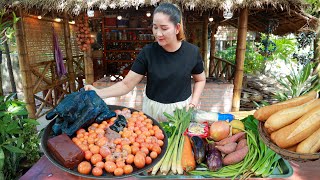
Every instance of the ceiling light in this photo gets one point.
(90, 13)
(211, 19)
(57, 19)
(39, 17)
(148, 14)
(227, 14)
(119, 17)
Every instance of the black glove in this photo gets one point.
(79, 109)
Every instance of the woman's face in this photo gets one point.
(164, 30)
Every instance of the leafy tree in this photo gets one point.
(6, 32)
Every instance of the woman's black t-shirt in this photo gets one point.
(168, 73)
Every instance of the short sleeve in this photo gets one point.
(140, 64)
(198, 68)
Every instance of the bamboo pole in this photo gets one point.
(88, 64)
(68, 47)
(240, 56)
(205, 43)
(24, 63)
(214, 29)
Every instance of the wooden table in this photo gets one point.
(44, 169)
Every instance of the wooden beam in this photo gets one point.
(88, 64)
(214, 29)
(24, 63)
(240, 57)
(205, 43)
(68, 47)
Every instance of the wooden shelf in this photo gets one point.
(131, 41)
(128, 29)
(122, 50)
(111, 61)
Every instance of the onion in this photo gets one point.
(219, 130)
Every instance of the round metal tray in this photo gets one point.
(49, 134)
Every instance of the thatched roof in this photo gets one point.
(288, 14)
(76, 5)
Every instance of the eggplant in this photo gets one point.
(119, 124)
(214, 157)
(199, 149)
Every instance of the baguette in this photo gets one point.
(299, 130)
(311, 144)
(287, 116)
(265, 112)
(292, 148)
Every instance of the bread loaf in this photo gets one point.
(311, 144)
(265, 112)
(299, 130)
(289, 115)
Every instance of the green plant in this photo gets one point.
(19, 138)
(298, 82)
(253, 60)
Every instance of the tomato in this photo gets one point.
(127, 169)
(102, 141)
(110, 166)
(100, 164)
(110, 158)
(95, 149)
(96, 171)
(84, 167)
(96, 158)
(148, 160)
(156, 149)
(130, 158)
(120, 164)
(80, 131)
(159, 135)
(118, 172)
(87, 155)
(153, 155)
(105, 151)
(139, 160)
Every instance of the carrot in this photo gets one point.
(187, 160)
(241, 144)
(236, 156)
(228, 148)
(231, 139)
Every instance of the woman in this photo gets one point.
(168, 63)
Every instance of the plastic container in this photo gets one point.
(210, 117)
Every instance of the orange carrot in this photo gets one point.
(187, 161)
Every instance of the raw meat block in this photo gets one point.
(65, 151)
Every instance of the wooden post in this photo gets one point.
(24, 63)
(205, 43)
(68, 47)
(214, 29)
(88, 64)
(240, 56)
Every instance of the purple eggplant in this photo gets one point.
(214, 157)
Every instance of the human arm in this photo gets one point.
(121, 88)
(199, 83)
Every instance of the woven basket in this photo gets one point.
(286, 154)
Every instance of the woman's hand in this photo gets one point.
(90, 87)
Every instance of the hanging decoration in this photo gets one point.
(83, 32)
(269, 46)
(61, 70)
(227, 9)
